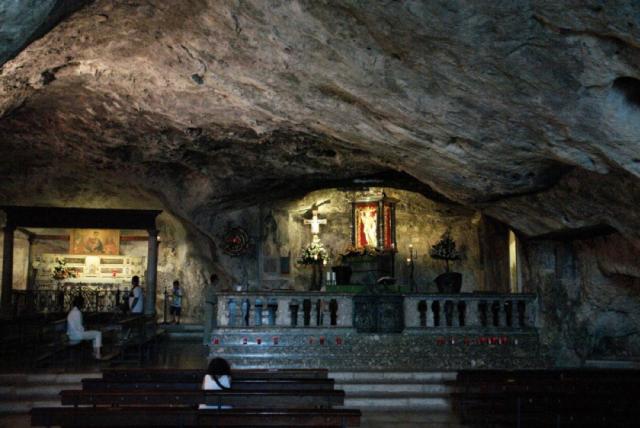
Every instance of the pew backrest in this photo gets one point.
(93, 384)
(173, 417)
(181, 375)
(238, 399)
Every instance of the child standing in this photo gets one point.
(176, 302)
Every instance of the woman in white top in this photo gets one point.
(218, 377)
(76, 331)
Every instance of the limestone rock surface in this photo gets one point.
(527, 110)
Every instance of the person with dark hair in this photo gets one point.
(135, 297)
(210, 307)
(75, 328)
(218, 377)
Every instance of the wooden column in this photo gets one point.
(7, 270)
(152, 273)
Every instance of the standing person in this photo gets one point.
(135, 297)
(176, 302)
(75, 328)
(210, 307)
(218, 378)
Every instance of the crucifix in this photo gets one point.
(315, 223)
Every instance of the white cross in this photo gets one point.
(315, 223)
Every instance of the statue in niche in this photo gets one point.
(368, 226)
(270, 234)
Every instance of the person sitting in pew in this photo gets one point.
(75, 328)
(218, 378)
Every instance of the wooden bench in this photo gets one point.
(196, 375)
(193, 385)
(181, 417)
(246, 398)
(548, 398)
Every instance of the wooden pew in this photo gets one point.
(196, 375)
(93, 384)
(252, 399)
(548, 398)
(182, 417)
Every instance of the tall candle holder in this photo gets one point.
(413, 255)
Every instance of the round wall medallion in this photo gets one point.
(235, 241)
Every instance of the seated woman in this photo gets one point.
(218, 377)
(76, 331)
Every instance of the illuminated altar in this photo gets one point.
(90, 270)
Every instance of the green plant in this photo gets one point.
(313, 254)
(61, 271)
(445, 249)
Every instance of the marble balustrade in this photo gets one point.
(421, 311)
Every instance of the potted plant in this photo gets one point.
(445, 249)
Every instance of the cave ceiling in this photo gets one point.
(526, 110)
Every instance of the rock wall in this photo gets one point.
(589, 297)
(277, 230)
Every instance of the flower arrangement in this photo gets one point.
(445, 249)
(351, 251)
(61, 271)
(313, 254)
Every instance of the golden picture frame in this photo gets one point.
(95, 241)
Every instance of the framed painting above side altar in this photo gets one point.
(95, 241)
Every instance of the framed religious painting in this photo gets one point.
(373, 223)
(95, 241)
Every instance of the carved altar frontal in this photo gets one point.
(345, 349)
(430, 331)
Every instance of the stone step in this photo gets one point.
(387, 376)
(384, 418)
(20, 392)
(25, 406)
(379, 401)
(183, 327)
(431, 388)
(185, 335)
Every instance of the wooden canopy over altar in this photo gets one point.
(50, 217)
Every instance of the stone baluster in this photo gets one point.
(232, 316)
(430, 314)
(435, 309)
(472, 318)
